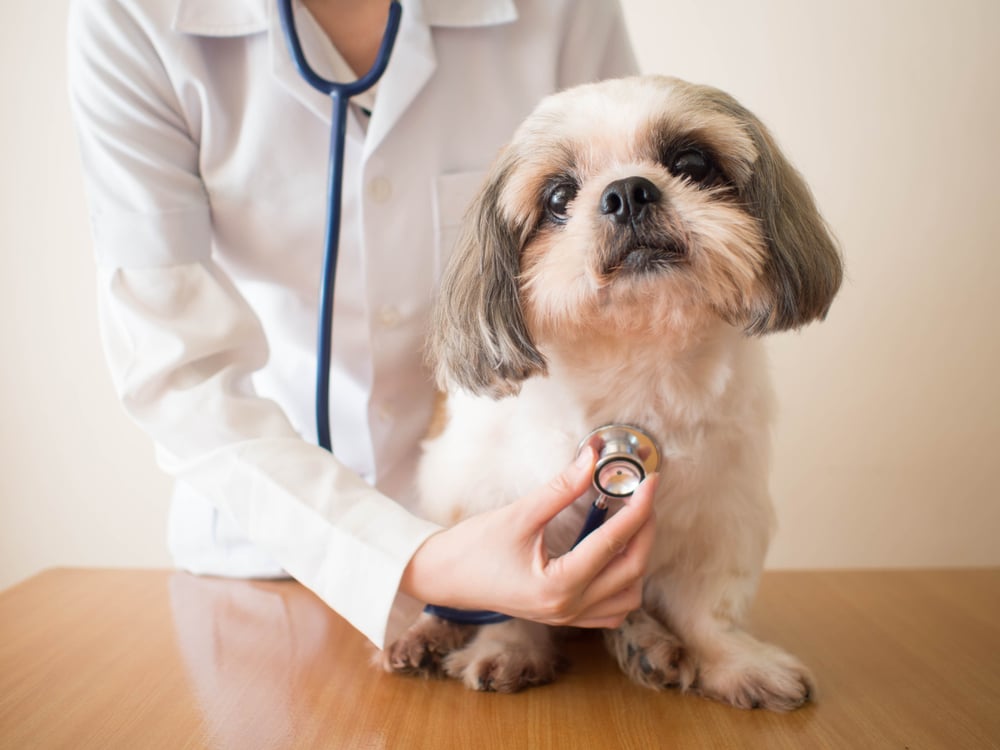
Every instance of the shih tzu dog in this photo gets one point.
(629, 248)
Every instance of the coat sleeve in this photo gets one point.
(182, 343)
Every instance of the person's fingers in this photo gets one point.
(598, 623)
(612, 609)
(624, 570)
(561, 491)
(585, 561)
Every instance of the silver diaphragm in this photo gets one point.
(625, 455)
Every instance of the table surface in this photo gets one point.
(159, 659)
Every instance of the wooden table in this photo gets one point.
(155, 659)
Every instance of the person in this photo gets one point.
(204, 156)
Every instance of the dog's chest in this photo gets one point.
(494, 452)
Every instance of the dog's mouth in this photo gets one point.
(643, 258)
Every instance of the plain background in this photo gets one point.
(886, 450)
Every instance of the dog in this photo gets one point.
(628, 250)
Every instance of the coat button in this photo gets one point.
(389, 316)
(380, 189)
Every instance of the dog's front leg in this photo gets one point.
(730, 664)
(736, 668)
(648, 653)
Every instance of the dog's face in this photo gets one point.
(631, 207)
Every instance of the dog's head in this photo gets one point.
(631, 207)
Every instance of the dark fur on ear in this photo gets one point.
(804, 269)
(479, 340)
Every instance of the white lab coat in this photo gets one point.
(205, 162)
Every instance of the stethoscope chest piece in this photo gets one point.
(625, 455)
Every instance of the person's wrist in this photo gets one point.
(423, 576)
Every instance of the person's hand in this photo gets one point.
(497, 560)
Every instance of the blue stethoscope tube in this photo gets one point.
(340, 94)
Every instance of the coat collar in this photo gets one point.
(412, 63)
(241, 17)
(221, 17)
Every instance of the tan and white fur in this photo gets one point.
(629, 248)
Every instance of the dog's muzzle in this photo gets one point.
(636, 241)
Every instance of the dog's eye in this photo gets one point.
(558, 199)
(693, 164)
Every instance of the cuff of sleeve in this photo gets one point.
(323, 524)
(363, 585)
(404, 609)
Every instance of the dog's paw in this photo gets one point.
(422, 649)
(762, 676)
(500, 670)
(505, 658)
(648, 653)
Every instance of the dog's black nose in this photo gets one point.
(625, 200)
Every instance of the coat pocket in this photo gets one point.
(453, 195)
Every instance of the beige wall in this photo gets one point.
(886, 451)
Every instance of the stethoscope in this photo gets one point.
(340, 94)
(625, 453)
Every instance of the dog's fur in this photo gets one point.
(560, 314)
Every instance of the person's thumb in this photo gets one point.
(562, 490)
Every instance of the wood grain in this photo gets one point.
(156, 659)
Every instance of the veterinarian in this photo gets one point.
(205, 155)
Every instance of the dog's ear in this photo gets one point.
(803, 270)
(479, 340)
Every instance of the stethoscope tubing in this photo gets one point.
(340, 95)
